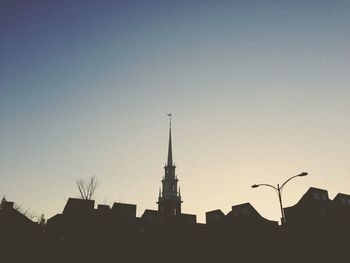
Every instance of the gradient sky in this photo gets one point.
(259, 92)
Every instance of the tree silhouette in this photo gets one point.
(42, 223)
(3, 201)
(87, 187)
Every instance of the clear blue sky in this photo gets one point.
(259, 91)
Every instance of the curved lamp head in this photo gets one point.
(303, 174)
(255, 185)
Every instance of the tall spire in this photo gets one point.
(170, 150)
(169, 200)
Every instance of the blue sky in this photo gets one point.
(259, 91)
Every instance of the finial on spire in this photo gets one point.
(169, 115)
(159, 192)
(179, 191)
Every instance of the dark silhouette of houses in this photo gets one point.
(80, 218)
(245, 216)
(150, 216)
(20, 237)
(319, 226)
(214, 217)
(339, 220)
(242, 216)
(241, 230)
(311, 213)
(155, 217)
(316, 212)
(316, 228)
(13, 222)
(82, 227)
(124, 212)
(242, 220)
(77, 216)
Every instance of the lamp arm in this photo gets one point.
(288, 181)
(269, 185)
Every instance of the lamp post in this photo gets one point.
(279, 192)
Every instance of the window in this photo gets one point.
(245, 211)
(324, 197)
(342, 201)
(315, 195)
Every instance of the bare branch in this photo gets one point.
(87, 187)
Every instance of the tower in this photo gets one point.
(169, 200)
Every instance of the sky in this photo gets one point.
(259, 91)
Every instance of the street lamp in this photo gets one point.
(279, 192)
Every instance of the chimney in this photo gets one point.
(7, 205)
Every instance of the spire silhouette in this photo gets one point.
(169, 202)
(170, 150)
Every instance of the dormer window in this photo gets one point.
(316, 195)
(245, 211)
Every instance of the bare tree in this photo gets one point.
(87, 187)
(26, 212)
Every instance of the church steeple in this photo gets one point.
(170, 150)
(169, 200)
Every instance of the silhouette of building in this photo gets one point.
(241, 217)
(242, 234)
(340, 215)
(320, 226)
(246, 216)
(214, 217)
(150, 215)
(80, 219)
(21, 239)
(124, 212)
(311, 213)
(169, 200)
(13, 222)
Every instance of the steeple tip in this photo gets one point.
(170, 150)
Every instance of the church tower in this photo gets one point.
(169, 200)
